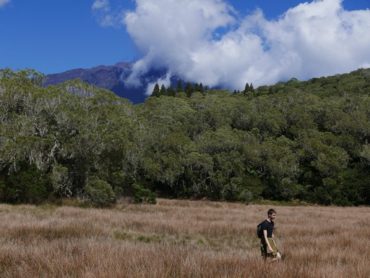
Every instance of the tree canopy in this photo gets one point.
(294, 140)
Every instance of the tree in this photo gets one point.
(156, 91)
(189, 89)
(308, 140)
(163, 91)
(248, 88)
(201, 88)
(179, 87)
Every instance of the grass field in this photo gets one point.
(181, 239)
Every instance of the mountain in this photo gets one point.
(111, 78)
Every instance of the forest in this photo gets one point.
(295, 140)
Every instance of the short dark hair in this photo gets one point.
(271, 211)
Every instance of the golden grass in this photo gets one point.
(178, 238)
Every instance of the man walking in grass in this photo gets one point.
(265, 231)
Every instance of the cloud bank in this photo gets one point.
(3, 2)
(205, 41)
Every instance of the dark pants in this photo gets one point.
(264, 252)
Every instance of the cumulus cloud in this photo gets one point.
(3, 2)
(205, 41)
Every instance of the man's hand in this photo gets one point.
(269, 249)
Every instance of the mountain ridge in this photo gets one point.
(111, 77)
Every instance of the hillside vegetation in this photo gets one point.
(295, 140)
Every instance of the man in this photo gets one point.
(268, 245)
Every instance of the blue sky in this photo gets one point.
(57, 35)
(53, 36)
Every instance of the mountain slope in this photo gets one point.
(109, 77)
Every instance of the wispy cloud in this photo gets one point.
(3, 2)
(204, 41)
(165, 81)
(99, 5)
(106, 17)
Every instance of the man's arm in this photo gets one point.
(267, 242)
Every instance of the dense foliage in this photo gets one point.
(294, 140)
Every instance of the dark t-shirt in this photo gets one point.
(269, 226)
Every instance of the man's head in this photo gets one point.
(271, 213)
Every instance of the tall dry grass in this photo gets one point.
(181, 239)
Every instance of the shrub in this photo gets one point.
(143, 195)
(28, 185)
(99, 193)
(245, 196)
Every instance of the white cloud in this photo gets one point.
(103, 12)
(166, 81)
(101, 5)
(3, 2)
(312, 39)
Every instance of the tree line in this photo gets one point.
(187, 88)
(295, 140)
